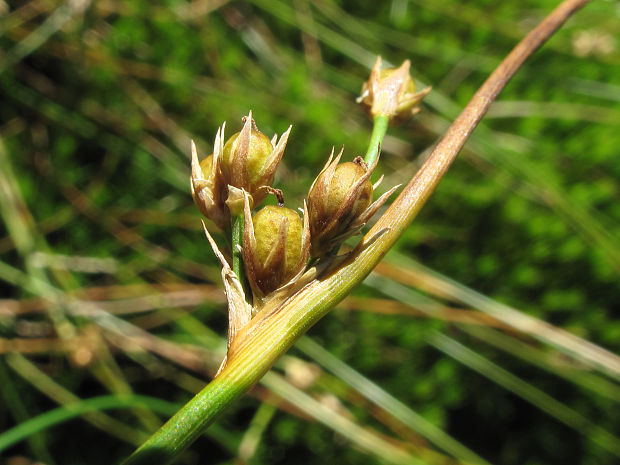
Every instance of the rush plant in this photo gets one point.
(282, 272)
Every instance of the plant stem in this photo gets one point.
(237, 239)
(380, 125)
(274, 330)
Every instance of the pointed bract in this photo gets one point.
(239, 311)
(207, 184)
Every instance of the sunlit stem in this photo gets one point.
(378, 133)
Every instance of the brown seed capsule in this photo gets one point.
(329, 195)
(275, 247)
(249, 162)
(339, 203)
(208, 186)
(391, 92)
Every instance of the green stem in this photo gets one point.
(274, 330)
(190, 421)
(237, 240)
(379, 129)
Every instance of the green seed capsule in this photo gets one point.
(249, 163)
(251, 160)
(276, 254)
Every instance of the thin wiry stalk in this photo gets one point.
(379, 128)
(237, 235)
(271, 333)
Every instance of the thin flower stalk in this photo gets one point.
(237, 236)
(379, 128)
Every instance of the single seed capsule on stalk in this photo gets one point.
(275, 247)
(249, 162)
(391, 92)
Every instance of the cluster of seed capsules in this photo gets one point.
(278, 243)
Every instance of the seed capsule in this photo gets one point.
(391, 92)
(332, 191)
(249, 162)
(339, 203)
(275, 247)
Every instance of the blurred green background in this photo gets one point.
(488, 335)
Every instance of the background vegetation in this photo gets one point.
(488, 334)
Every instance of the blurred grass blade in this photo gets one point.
(38, 37)
(353, 50)
(547, 361)
(526, 391)
(67, 412)
(550, 193)
(369, 442)
(575, 373)
(575, 111)
(603, 90)
(438, 284)
(366, 32)
(258, 425)
(175, 176)
(45, 384)
(19, 222)
(389, 403)
(15, 405)
(514, 156)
